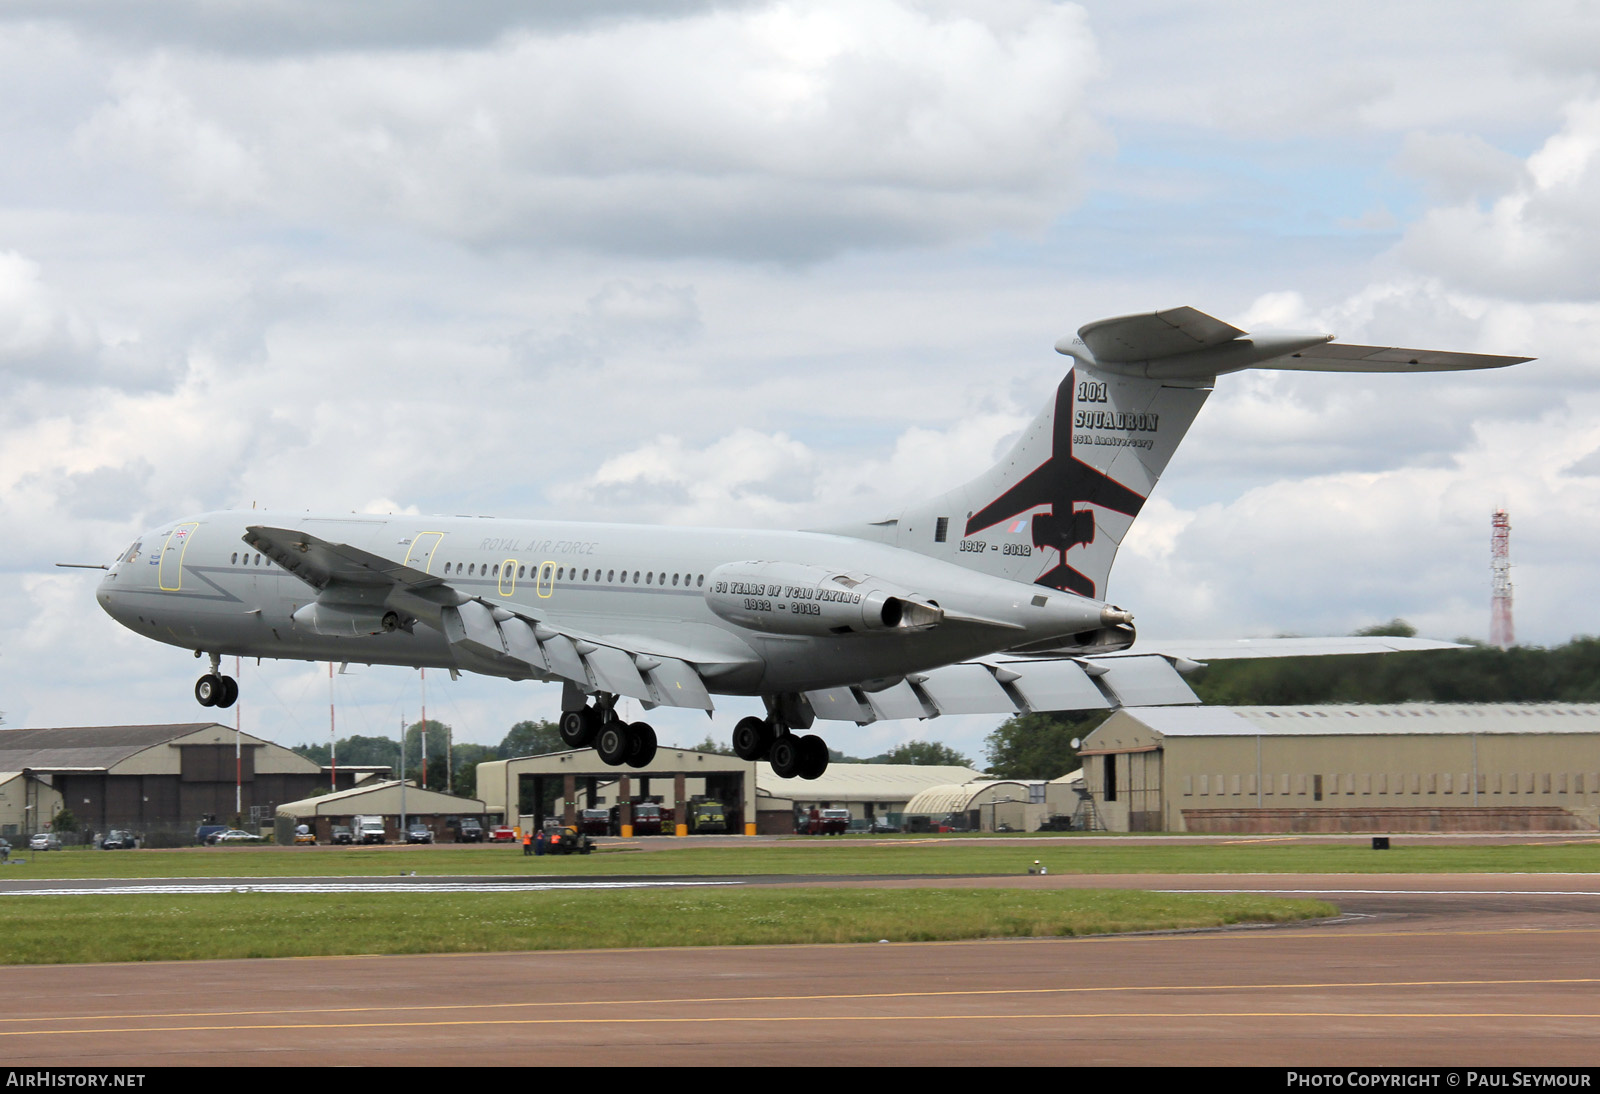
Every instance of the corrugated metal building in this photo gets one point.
(1408, 767)
(152, 778)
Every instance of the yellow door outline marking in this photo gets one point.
(546, 583)
(184, 533)
(508, 577)
(424, 562)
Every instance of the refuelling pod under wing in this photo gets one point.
(793, 598)
(346, 620)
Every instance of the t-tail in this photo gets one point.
(1054, 511)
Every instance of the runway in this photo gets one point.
(1447, 970)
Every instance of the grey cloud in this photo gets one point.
(1458, 167)
(282, 27)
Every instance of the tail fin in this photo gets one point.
(1055, 510)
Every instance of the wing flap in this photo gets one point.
(676, 684)
(840, 705)
(1150, 681)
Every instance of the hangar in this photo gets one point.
(441, 813)
(756, 800)
(158, 780)
(1407, 767)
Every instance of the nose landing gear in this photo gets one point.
(214, 689)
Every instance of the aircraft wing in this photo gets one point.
(498, 639)
(320, 564)
(1233, 649)
(1011, 686)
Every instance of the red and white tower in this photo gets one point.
(1501, 633)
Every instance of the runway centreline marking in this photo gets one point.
(835, 997)
(611, 1021)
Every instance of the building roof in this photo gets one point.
(1398, 718)
(418, 800)
(862, 782)
(88, 748)
(957, 798)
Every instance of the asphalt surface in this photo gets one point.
(1447, 970)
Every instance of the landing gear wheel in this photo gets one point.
(641, 745)
(208, 689)
(752, 739)
(785, 756)
(612, 743)
(813, 756)
(230, 692)
(578, 727)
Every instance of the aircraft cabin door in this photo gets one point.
(419, 555)
(508, 577)
(169, 576)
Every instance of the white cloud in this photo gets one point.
(783, 130)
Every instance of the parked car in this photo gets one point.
(208, 832)
(119, 839)
(419, 833)
(342, 834)
(236, 835)
(44, 841)
(470, 831)
(502, 833)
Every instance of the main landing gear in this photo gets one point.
(790, 755)
(615, 741)
(214, 689)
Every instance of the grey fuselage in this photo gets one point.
(196, 584)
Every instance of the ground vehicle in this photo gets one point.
(419, 833)
(370, 830)
(502, 833)
(304, 834)
(44, 841)
(236, 835)
(835, 822)
(595, 822)
(470, 831)
(880, 825)
(647, 819)
(119, 839)
(708, 816)
(207, 832)
(342, 834)
(564, 839)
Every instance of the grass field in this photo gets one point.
(74, 929)
(821, 857)
(55, 929)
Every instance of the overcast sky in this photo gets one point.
(777, 264)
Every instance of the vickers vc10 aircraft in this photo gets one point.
(987, 599)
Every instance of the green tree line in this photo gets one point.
(1039, 745)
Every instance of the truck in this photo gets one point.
(369, 830)
(707, 816)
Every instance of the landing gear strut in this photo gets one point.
(790, 755)
(215, 690)
(617, 742)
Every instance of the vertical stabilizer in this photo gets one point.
(1055, 510)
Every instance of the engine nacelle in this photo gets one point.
(792, 598)
(346, 620)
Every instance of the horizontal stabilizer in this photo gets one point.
(1185, 344)
(1339, 357)
(1155, 334)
